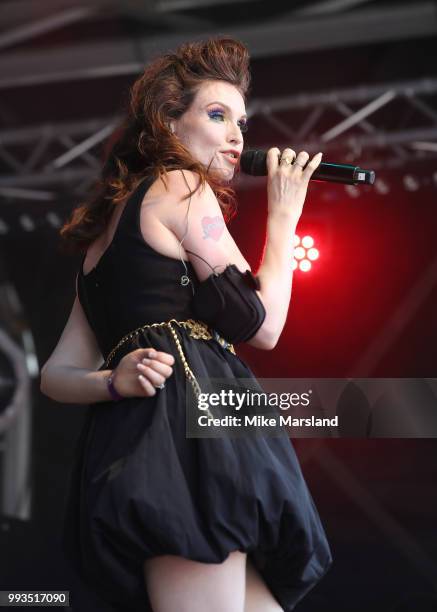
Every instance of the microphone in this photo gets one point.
(254, 162)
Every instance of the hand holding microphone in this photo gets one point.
(254, 162)
(288, 178)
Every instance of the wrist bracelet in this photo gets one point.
(115, 395)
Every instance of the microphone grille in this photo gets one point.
(253, 161)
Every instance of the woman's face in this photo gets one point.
(212, 125)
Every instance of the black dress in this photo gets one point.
(139, 487)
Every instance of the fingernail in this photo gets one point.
(146, 360)
(152, 353)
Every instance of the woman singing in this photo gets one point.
(155, 520)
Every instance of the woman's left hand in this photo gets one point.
(156, 368)
(141, 371)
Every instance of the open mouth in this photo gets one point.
(231, 158)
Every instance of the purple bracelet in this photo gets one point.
(112, 390)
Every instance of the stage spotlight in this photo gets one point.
(53, 219)
(305, 265)
(352, 191)
(304, 254)
(313, 254)
(299, 253)
(411, 183)
(382, 187)
(27, 223)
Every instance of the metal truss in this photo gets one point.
(342, 122)
(294, 27)
(38, 161)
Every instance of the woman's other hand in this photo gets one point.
(287, 182)
(141, 371)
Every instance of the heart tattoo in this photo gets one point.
(213, 227)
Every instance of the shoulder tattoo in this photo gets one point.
(213, 227)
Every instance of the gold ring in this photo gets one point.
(287, 160)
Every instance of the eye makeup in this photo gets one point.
(218, 112)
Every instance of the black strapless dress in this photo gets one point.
(139, 487)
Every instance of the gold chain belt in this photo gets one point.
(197, 330)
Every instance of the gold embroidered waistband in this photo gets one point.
(197, 330)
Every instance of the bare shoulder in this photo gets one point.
(162, 208)
(181, 182)
(181, 189)
(171, 189)
(193, 225)
(168, 201)
(184, 192)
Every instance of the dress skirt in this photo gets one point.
(141, 488)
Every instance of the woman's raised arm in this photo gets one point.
(200, 226)
(203, 231)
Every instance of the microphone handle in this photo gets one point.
(254, 162)
(343, 173)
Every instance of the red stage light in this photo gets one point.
(313, 254)
(304, 252)
(299, 252)
(307, 242)
(305, 265)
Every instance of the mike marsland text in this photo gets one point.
(264, 421)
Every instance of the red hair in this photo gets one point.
(143, 145)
